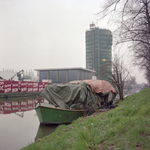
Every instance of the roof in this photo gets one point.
(48, 69)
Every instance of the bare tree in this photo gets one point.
(147, 74)
(118, 75)
(133, 18)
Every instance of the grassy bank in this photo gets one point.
(126, 127)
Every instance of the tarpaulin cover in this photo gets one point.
(98, 86)
(68, 96)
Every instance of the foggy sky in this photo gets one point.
(38, 34)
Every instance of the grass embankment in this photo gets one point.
(126, 127)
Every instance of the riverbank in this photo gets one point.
(125, 127)
(18, 94)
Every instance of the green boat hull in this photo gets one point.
(49, 115)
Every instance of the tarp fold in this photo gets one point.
(69, 96)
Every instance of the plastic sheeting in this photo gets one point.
(70, 96)
(98, 86)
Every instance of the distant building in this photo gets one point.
(98, 48)
(64, 75)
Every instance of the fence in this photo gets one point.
(21, 86)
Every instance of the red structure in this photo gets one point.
(5, 87)
(15, 86)
(21, 86)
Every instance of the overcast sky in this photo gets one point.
(38, 34)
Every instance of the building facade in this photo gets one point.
(98, 49)
(64, 75)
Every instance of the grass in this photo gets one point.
(126, 127)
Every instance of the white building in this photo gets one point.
(8, 75)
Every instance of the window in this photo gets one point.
(72, 75)
(53, 76)
(62, 76)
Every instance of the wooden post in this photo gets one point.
(67, 76)
(47, 74)
(57, 76)
(77, 74)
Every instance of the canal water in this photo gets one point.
(19, 124)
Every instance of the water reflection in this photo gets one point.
(16, 105)
(15, 115)
(19, 124)
(45, 130)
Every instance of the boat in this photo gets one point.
(49, 114)
(67, 102)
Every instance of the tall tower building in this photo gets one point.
(98, 48)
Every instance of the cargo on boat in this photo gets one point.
(67, 102)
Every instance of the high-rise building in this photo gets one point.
(98, 48)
